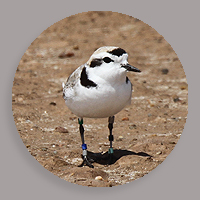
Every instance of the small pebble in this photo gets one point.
(132, 126)
(125, 119)
(175, 59)
(153, 135)
(176, 99)
(61, 130)
(151, 103)
(55, 67)
(66, 55)
(184, 86)
(99, 178)
(165, 71)
(20, 99)
(53, 103)
(159, 152)
(76, 47)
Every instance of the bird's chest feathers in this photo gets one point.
(108, 88)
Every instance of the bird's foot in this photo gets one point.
(86, 162)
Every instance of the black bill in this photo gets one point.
(131, 68)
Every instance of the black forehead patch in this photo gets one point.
(96, 62)
(117, 52)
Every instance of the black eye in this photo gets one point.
(107, 60)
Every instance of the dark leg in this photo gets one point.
(111, 138)
(84, 146)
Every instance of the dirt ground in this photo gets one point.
(144, 133)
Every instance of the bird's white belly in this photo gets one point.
(100, 103)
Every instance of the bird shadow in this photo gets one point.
(105, 158)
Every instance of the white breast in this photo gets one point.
(100, 102)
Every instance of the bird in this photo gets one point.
(99, 88)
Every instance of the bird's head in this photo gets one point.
(109, 63)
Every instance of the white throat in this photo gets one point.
(109, 74)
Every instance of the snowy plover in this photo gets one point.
(99, 89)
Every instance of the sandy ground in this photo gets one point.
(145, 132)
